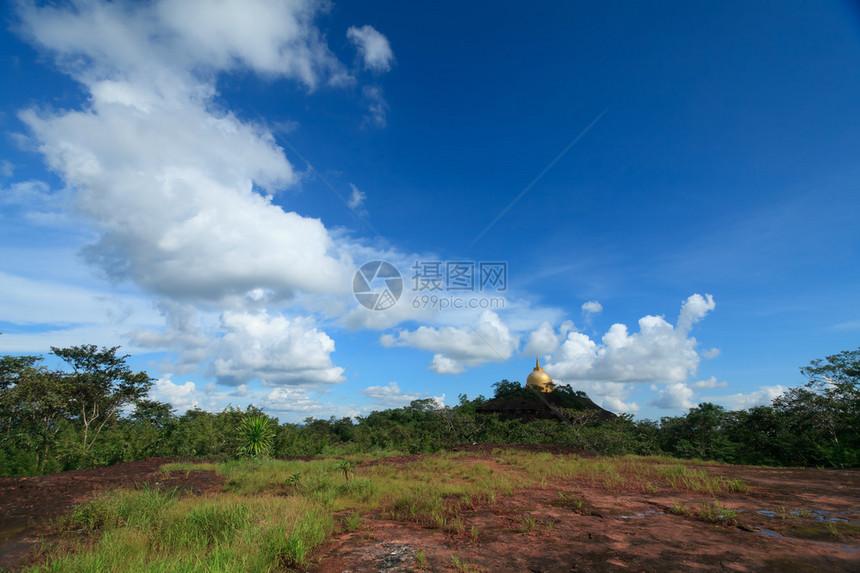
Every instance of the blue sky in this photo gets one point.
(672, 189)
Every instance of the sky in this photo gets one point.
(325, 209)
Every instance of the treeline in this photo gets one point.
(96, 412)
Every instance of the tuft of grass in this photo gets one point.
(678, 508)
(132, 508)
(528, 525)
(714, 512)
(352, 521)
(455, 525)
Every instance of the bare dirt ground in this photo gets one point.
(791, 520)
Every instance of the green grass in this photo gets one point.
(223, 533)
(528, 525)
(272, 514)
(715, 512)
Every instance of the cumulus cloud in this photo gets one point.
(291, 400)
(659, 352)
(373, 47)
(391, 396)
(182, 397)
(458, 348)
(238, 347)
(172, 183)
(709, 383)
(176, 204)
(711, 353)
(274, 349)
(180, 191)
(274, 38)
(693, 310)
(181, 335)
(545, 339)
(741, 401)
(614, 396)
(676, 396)
(287, 403)
(592, 307)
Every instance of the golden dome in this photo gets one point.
(539, 380)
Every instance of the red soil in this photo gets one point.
(612, 530)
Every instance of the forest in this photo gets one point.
(96, 411)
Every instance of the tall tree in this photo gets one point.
(32, 405)
(99, 387)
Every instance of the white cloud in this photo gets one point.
(614, 396)
(391, 396)
(711, 353)
(289, 404)
(377, 107)
(239, 347)
(176, 205)
(7, 169)
(356, 199)
(274, 349)
(129, 38)
(295, 404)
(36, 203)
(171, 182)
(291, 400)
(25, 193)
(676, 396)
(740, 401)
(27, 301)
(659, 352)
(545, 340)
(373, 47)
(182, 335)
(693, 310)
(592, 307)
(49, 313)
(183, 397)
(457, 348)
(709, 383)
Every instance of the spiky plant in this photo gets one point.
(259, 433)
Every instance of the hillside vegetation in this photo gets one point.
(96, 412)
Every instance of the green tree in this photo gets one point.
(33, 406)
(824, 415)
(100, 386)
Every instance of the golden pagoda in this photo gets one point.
(538, 379)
